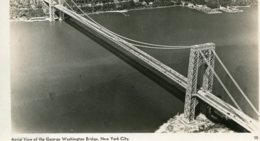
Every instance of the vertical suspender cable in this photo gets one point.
(220, 81)
(155, 46)
(234, 81)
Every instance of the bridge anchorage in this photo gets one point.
(201, 66)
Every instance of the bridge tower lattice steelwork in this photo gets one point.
(61, 14)
(51, 10)
(195, 61)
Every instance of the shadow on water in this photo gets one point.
(171, 87)
(165, 83)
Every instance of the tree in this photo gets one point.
(202, 2)
(212, 3)
(225, 2)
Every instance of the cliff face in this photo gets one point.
(26, 9)
(200, 125)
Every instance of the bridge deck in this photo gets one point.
(228, 110)
(146, 58)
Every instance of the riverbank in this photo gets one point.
(230, 9)
(201, 8)
(30, 15)
(33, 19)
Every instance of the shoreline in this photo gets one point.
(25, 20)
(201, 8)
(32, 19)
(147, 8)
(98, 12)
(133, 9)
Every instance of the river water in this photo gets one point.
(63, 81)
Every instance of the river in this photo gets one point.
(63, 81)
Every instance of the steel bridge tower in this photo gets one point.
(61, 14)
(197, 62)
(51, 10)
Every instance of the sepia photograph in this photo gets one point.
(133, 66)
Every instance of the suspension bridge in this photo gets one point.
(200, 55)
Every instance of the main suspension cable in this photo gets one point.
(69, 5)
(234, 81)
(156, 46)
(220, 81)
(143, 44)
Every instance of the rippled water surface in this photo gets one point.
(63, 81)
